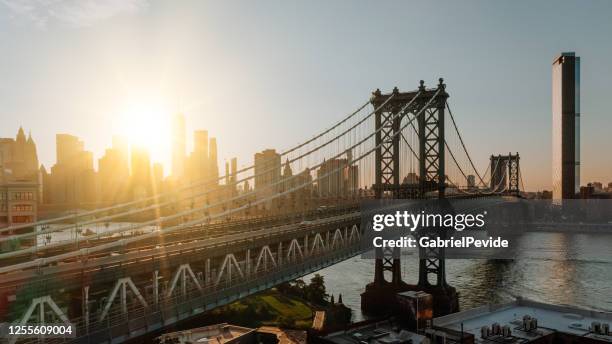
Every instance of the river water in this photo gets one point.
(558, 268)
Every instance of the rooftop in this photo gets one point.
(213, 334)
(550, 319)
(284, 336)
(384, 332)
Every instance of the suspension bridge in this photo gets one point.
(214, 243)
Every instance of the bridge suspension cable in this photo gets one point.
(171, 201)
(463, 144)
(155, 221)
(493, 190)
(123, 242)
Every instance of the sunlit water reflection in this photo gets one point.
(559, 268)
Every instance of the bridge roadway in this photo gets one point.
(114, 297)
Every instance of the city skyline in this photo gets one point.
(197, 65)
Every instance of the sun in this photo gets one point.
(147, 124)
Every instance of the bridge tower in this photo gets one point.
(428, 105)
(505, 173)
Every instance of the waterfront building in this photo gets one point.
(372, 332)
(18, 157)
(20, 180)
(232, 334)
(524, 321)
(18, 202)
(598, 186)
(566, 126)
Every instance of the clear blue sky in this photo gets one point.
(247, 69)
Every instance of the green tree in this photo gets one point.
(299, 288)
(316, 292)
(284, 288)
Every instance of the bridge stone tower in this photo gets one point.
(428, 105)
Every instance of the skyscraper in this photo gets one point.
(157, 177)
(178, 146)
(198, 165)
(113, 174)
(18, 158)
(200, 142)
(141, 173)
(120, 143)
(72, 179)
(267, 171)
(566, 125)
(212, 156)
(20, 190)
(66, 147)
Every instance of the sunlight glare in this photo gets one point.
(148, 125)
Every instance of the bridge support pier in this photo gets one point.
(428, 108)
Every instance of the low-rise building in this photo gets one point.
(18, 202)
(213, 334)
(373, 332)
(232, 334)
(523, 321)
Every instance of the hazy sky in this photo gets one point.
(244, 70)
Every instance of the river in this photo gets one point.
(558, 268)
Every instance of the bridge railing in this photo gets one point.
(169, 310)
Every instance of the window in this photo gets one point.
(22, 207)
(23, 196)
(21, 219)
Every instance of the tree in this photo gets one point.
(315, 292)
(299, 287)
(284, 288)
